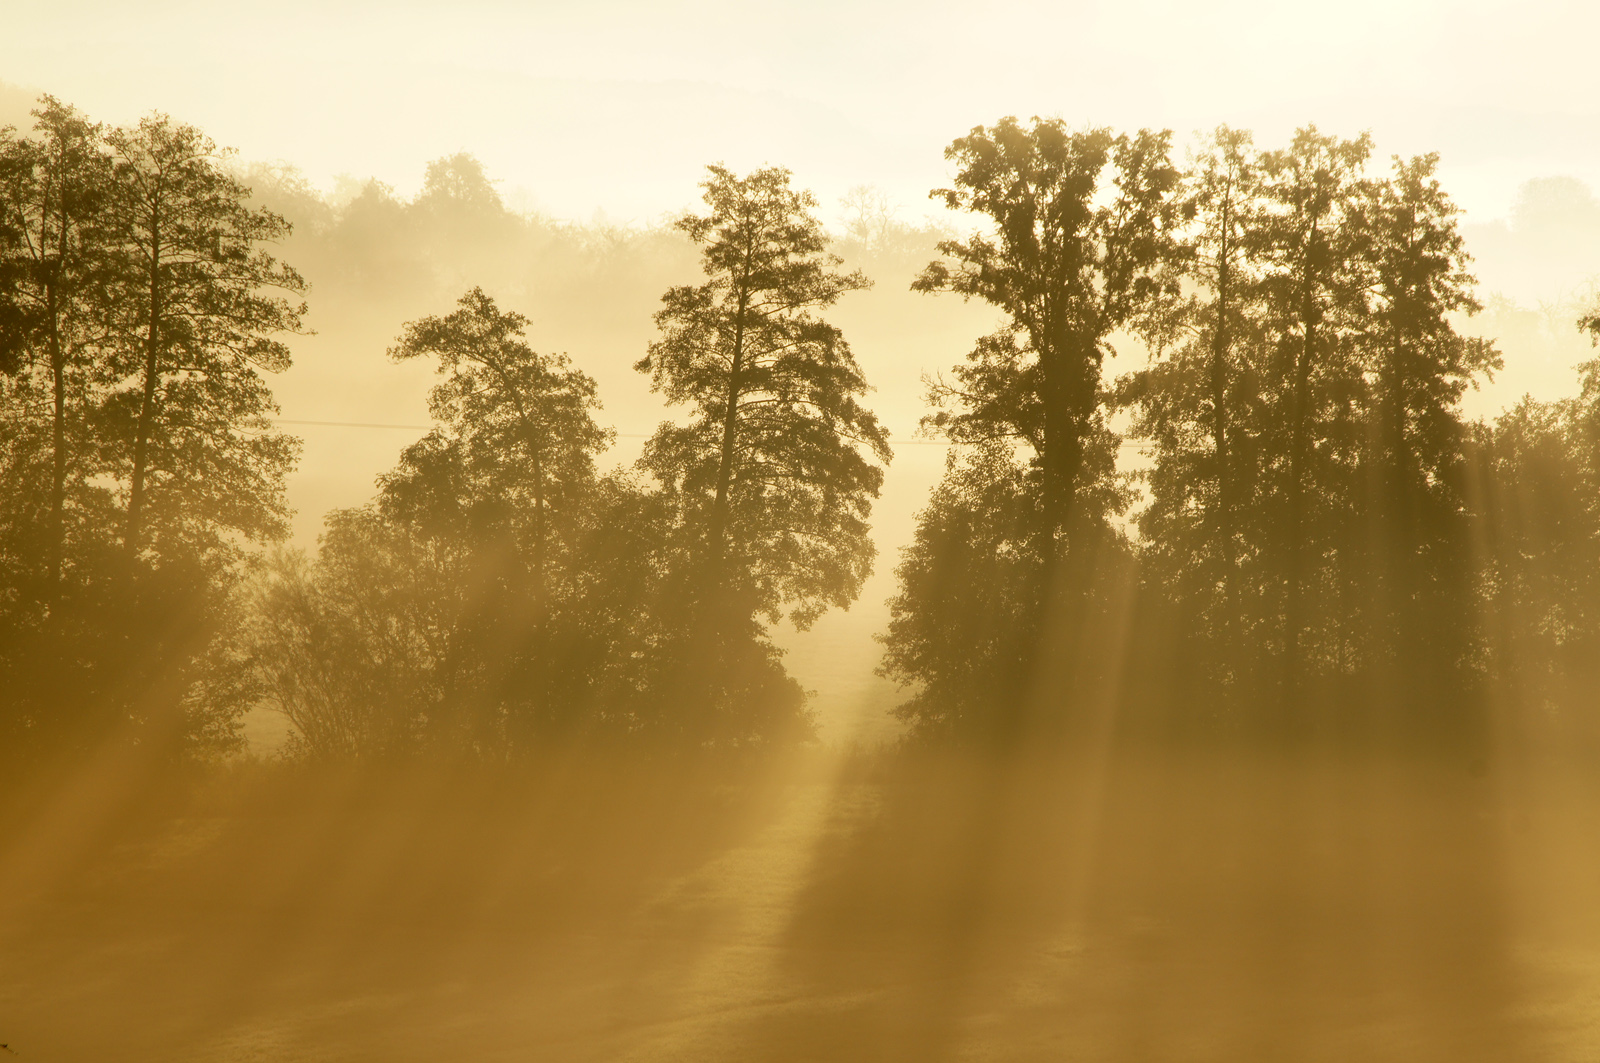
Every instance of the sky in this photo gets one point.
(614, 106)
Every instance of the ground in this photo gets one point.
(1153, 905)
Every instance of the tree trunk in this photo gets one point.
(1299, 458)
(1219, 411)
(141, 442)
(58, 475)
(536, 448)
(717, 546)
(541, 650)
(1067, 391)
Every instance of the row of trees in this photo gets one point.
(138, 312)
(1322, 528)
(500, 590)
(1320, 525)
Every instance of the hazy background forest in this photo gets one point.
(1148, 610)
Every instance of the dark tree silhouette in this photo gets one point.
(196, 318)
(1537, 486)
(1069, 262)
(771, 469)
(773, 472)
(52, 316)
(1314, 284)
(143, 306)
(506, 480)
(1422, 572)
(961, 625)
(1196, 403)
(1314, 373)
(519, 425)
(1068, 266)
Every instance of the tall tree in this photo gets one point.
(1315, 282)
(1195, 403)
(199, 310)
(775, 468)
(1314, 377)
(1226, 187)
(1069, 265)
(503, 484)
(150, 307)
(52, 192)
(519, 425)
(1422, 367)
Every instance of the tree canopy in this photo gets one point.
(775, 467)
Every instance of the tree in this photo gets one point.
(196, 318)
(1539, 524)
(1308, 450)
(961, 624)
(503, 482)
(1197, 403)
(1068, 266)
(457, 182)
(770, 470)
(1420, 367)
(52, 193)
(162, 356)
(1314, 284)
(133, 286)
(1069, 262)
(519, 424)
(347, 648)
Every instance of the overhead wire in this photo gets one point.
(1138, 444)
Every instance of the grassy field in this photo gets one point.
(1146, 904)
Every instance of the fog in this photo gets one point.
(686, 533)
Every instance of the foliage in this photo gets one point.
(137, 316)
(194, 320)
(769, 471)
(1307, 486)
(961, 625)
(1068, 265)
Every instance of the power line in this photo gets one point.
(354, 424)
(1134, 443)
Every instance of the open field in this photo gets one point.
(1151, 905)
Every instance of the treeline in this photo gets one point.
(1323, 542)
(500, 591)
(138, 314)
(1317, 536)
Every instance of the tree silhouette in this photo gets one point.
(1068, 267)
(196, 321)
(962, 624)
(518, 424)
(138, 292)
(53, 192)
(1307, 484)
(1539, 522)
(1197, 402)
(1069, 262)
(1421, 367)
(504, 480)
(1314, 285)
(348, 648)
(773, 472)
(770, 470)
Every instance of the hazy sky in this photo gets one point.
(616, 105)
